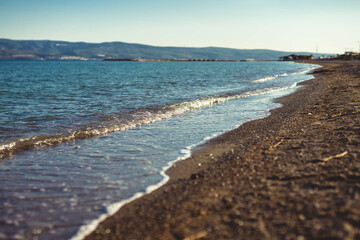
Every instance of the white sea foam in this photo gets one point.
(307, 70)
(302, 72)
(121, 123)
(268, 78)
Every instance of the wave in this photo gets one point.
(123, 122)
(265, 79)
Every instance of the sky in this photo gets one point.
(326, 26)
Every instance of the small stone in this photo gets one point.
(203, 212)
(240, 223)
(302, 217)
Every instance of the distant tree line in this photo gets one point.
(348, 56)
(294, 57)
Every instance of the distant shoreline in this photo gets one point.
(63, 50)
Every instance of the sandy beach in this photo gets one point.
(292, 175)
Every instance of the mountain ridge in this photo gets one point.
(64, 50)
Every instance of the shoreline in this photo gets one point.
(219, 191)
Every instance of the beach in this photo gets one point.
(292, 175)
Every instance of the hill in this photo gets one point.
(51, 50)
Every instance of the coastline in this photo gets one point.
(270, 178)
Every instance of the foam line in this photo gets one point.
(265, 79)
(124, 122)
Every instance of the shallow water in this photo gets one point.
(77, 138)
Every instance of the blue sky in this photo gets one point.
(291, 25)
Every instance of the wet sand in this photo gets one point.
(292, 175)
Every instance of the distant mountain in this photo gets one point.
(51, 50)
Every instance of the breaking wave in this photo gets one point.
(123, 122)
(265, 79)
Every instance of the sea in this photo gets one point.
(79, 139)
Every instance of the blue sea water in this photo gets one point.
(79, 139)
